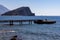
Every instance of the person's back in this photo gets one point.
(14, 38)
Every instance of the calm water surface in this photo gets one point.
(32, 31)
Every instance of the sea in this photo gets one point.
(32, 31)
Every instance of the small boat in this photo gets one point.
(44, 22)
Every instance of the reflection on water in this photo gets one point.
(4, 31)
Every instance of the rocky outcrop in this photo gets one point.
(22, 11)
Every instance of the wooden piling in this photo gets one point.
(11, 22)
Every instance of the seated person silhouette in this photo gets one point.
(14, 38)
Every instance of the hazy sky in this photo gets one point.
(39, 7)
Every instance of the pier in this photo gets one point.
(19, 19)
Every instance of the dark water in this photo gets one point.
(32, 31)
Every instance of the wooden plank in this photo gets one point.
(20, 17)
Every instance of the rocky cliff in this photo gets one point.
(22, 11)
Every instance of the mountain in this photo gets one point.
(3, 9)
(22, 11)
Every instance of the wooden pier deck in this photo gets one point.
(19, 19)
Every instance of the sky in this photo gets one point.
(39, 7)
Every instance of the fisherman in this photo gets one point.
(15, 38)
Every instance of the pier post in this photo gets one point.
(30, 22)
(11, 22)
(20, 22)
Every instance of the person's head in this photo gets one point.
(15, 36)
